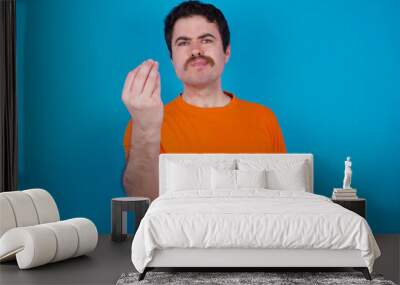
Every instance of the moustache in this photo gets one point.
(208, 59)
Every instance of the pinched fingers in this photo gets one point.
(151, 81)
(128, 83)
(156, 91)
(141, 77)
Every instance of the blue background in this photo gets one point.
(330, 71)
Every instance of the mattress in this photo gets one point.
(250, 219)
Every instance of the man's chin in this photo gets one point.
(198, 83)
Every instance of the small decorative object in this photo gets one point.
(347, 192)
(347, 174)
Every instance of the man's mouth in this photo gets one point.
(199, 62)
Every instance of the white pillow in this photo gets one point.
(183, 177)
(281, 175)
(223, 179)
(186, 173)
(236, 179)
(287, 179)
(251, 178)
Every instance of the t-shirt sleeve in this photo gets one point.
(280, 146)
(279, 142)
(127, 138)
(161, 149)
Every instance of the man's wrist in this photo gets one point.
(146, 136)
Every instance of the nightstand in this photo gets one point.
(119, 209)
(357, 205)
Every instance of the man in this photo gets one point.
(203, 118)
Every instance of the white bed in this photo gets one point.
(221, 226)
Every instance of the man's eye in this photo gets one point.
(207, 41)
(182, 43)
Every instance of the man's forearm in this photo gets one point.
(141, 172)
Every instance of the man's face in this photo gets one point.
(197, 51)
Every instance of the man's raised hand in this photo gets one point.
(142, 96)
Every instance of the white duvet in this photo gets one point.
(250, 218)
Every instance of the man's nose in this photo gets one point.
(197, 51)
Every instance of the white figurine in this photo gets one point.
(347, 174)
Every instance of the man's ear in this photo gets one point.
(227, 53)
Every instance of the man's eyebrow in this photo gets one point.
(200, 37)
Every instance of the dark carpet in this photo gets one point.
(225, 278)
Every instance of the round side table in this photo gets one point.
(119, 208)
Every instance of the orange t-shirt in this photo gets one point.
(238, 127)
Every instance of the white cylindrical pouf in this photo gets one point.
(7, 218)
(45, 205)
(67, 239)
(23, 208)
(87, 234)
(33, 245)
(31, 232)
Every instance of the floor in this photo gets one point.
(111, 259)
(389, 262)
(102, 266)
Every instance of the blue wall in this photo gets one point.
(330, 71)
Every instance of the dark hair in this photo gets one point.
(196, 8)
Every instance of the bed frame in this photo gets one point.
(249, 258)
